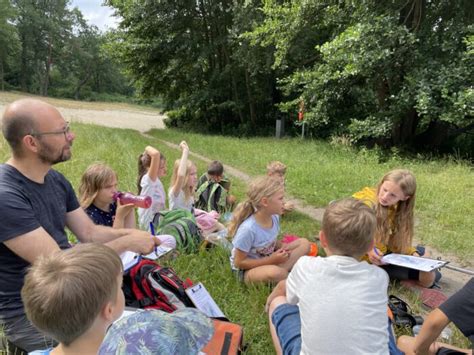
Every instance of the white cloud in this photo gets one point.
(96, 14)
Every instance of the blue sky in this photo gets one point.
(95, 13)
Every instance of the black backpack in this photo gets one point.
(211, 196)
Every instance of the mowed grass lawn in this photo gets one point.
(317, 173)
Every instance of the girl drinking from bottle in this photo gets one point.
(257, 256)
(96, 196)
(151, 167)
(393, 201)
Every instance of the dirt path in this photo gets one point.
(120, 116)
(144, 120)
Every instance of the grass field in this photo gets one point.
(318, 172)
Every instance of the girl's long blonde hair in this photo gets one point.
(260, 187)
(96, 177)
(189, 164)
(398, 236)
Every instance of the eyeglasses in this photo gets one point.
(66, 130)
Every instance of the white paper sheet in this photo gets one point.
(203, 301)
(413, 262)
(130, 259)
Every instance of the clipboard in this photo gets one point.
(130, 259)
(203, 301)
(413, 262)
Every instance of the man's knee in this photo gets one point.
(23, 335)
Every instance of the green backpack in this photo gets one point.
(211, 196)
(181, 224)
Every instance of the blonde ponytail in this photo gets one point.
(260, 187)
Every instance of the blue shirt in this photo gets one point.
(101, 217)
(253, 239)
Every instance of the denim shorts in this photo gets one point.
(287, 322)
(240, 274)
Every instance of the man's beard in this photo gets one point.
(48, 156)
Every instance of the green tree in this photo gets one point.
(191, 53)
(392, 72)
(43, 27)
(9, 42)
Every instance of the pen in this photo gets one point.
(376, 252)
(152, 230)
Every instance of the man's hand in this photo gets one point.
(141, 242)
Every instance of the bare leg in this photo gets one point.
(426, 279)
(297, 249)
(272, 273)
(275, 303)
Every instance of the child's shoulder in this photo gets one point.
(249, 223)
(368, 195)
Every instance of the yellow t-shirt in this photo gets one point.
(368, 195)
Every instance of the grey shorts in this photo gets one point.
(240, 274)
(21, 333)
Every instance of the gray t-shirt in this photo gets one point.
(25, 206)
(255, 240)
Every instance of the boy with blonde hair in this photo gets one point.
(73, 296)
(336, 304)
(277, 170)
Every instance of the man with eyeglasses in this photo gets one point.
(36, 204)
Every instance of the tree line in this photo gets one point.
(395, 73)
(47, 48)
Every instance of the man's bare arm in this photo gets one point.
(31, 245)
(118, 239)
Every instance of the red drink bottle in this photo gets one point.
(127, 197)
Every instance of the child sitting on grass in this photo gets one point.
(96, 196)
(151, 167)
(336, 304)
(73, 296)
(393, 202)
(213, 190)
(181, 192)
(276, 169)
(257, 256)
